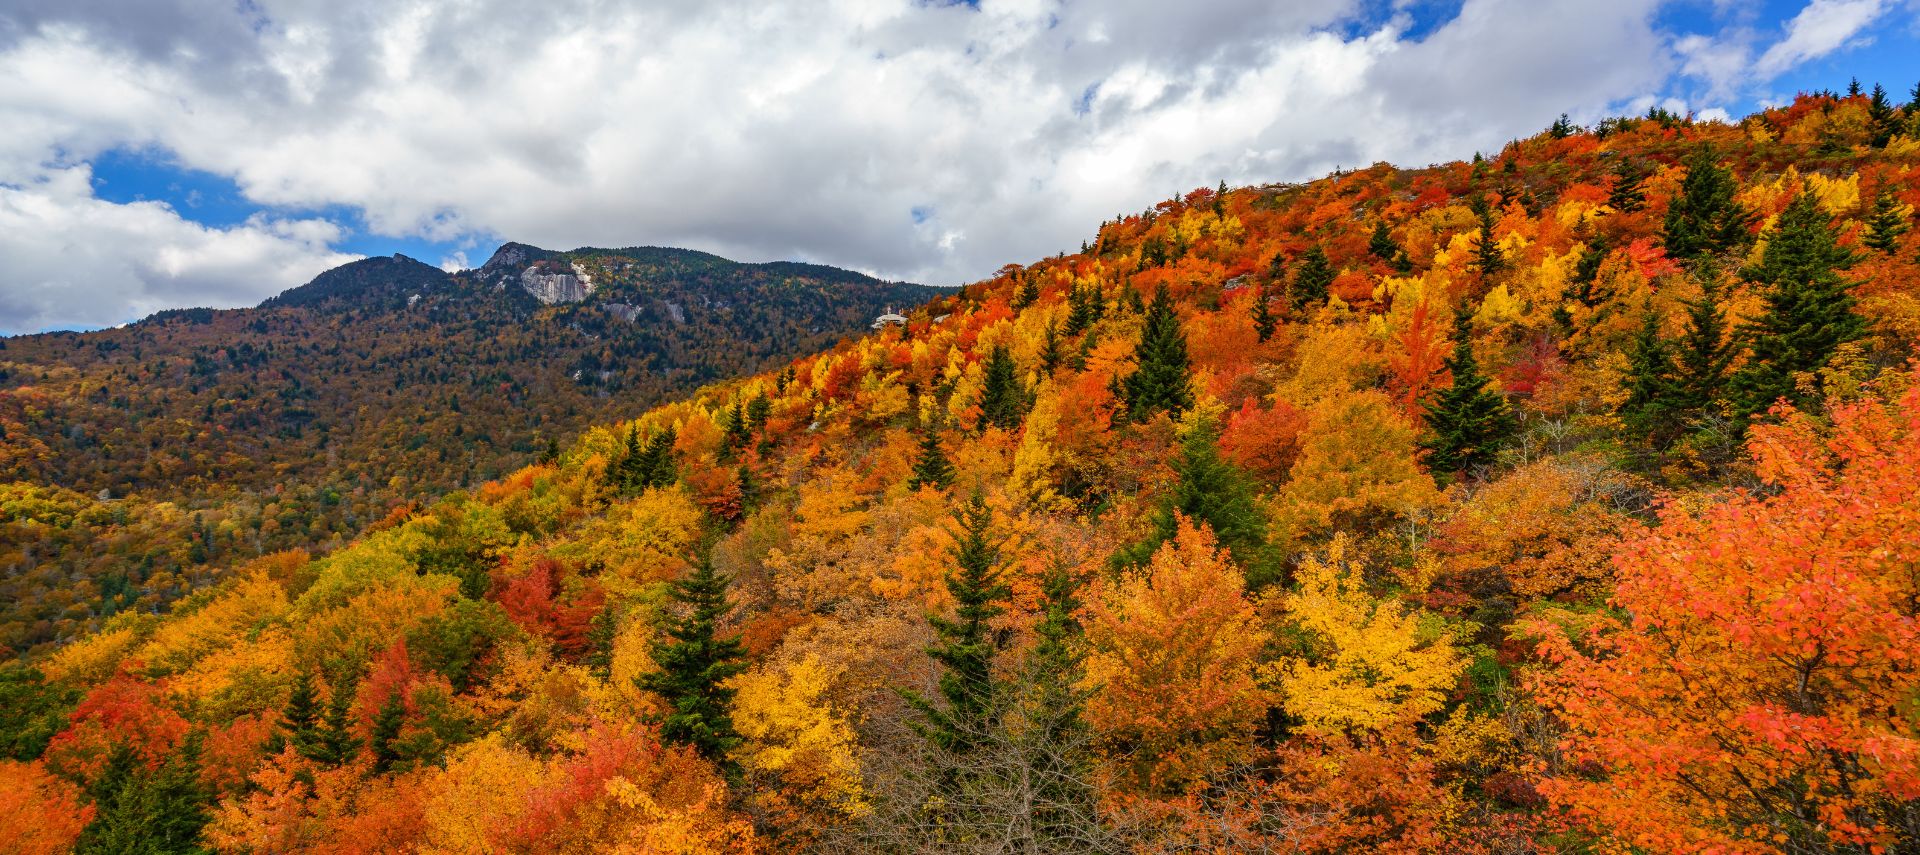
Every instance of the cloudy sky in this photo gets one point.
(165, 153)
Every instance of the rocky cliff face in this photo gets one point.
(541, 273)
(551, 287)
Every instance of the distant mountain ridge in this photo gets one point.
(383, 277)
(383, 381)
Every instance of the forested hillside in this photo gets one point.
(220, 436)
(1562, 500)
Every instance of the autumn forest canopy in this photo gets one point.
(1563, 500)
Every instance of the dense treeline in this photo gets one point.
(1559, 501)
(381, 383)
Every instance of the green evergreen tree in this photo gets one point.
(736, 434)
(759, 409)
(32, 710)
(967, 643)
(141, 811)
(1886, 223)
(1083, 309)
(1381, 243)
(1209, 489)
(334, 741)
(1003, 398)
(1627, 194)
(387, 724)
(642, 466)
(695, 665)
(1561, 128)
(1705, 218)
(1057, 743)
(1264, 323)
(1489, 259)
(1312, 279)
(1467, 420)
(932, 469)
(1050, 350)
(628, 470)
(1162, 378)
(1029, 292)
(1587, 289)
(300, 721)
(1706, 350)
(1651, 410)
(1882, 119)
(1808, 312)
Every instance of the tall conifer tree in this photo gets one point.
(1627, 195)
(1705, 218)
(385, 738)
(335, 743)
(696, 663)
(1312, 279)
(1809, 312)
(153, 811)
(1651, 409)
(967, 644)
(1003, 398)
(1467, 420)
(1887, 222)
(1211, 490)
(1162, 378)
(1489, 259)
(932, 469)
(1264, 323)
(1380, 243)
(1056, 742)
(1706, 349)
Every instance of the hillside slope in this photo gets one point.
(1303, 518)
(223, 435)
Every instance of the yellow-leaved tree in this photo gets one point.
(793, 739)
(1368, 663)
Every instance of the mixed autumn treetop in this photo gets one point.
(1561, 500)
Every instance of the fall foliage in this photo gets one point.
(1214, 536)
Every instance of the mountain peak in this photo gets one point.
(514, 255)
(376, 279)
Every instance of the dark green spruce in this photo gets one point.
(1208, 489)
(1311, 279)
(967, 710)
(695, 664)
(1651, 410)
(1705, 218)
(1003, 398)
(932, 469)
(1162, 380)
(1808, 310)
(143, 811)
(1886, 223)
(1467, 421)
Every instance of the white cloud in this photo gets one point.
(71, 260)
(1821, 28)
(766, 130)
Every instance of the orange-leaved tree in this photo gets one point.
(1758, 689)
(1172, 660)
